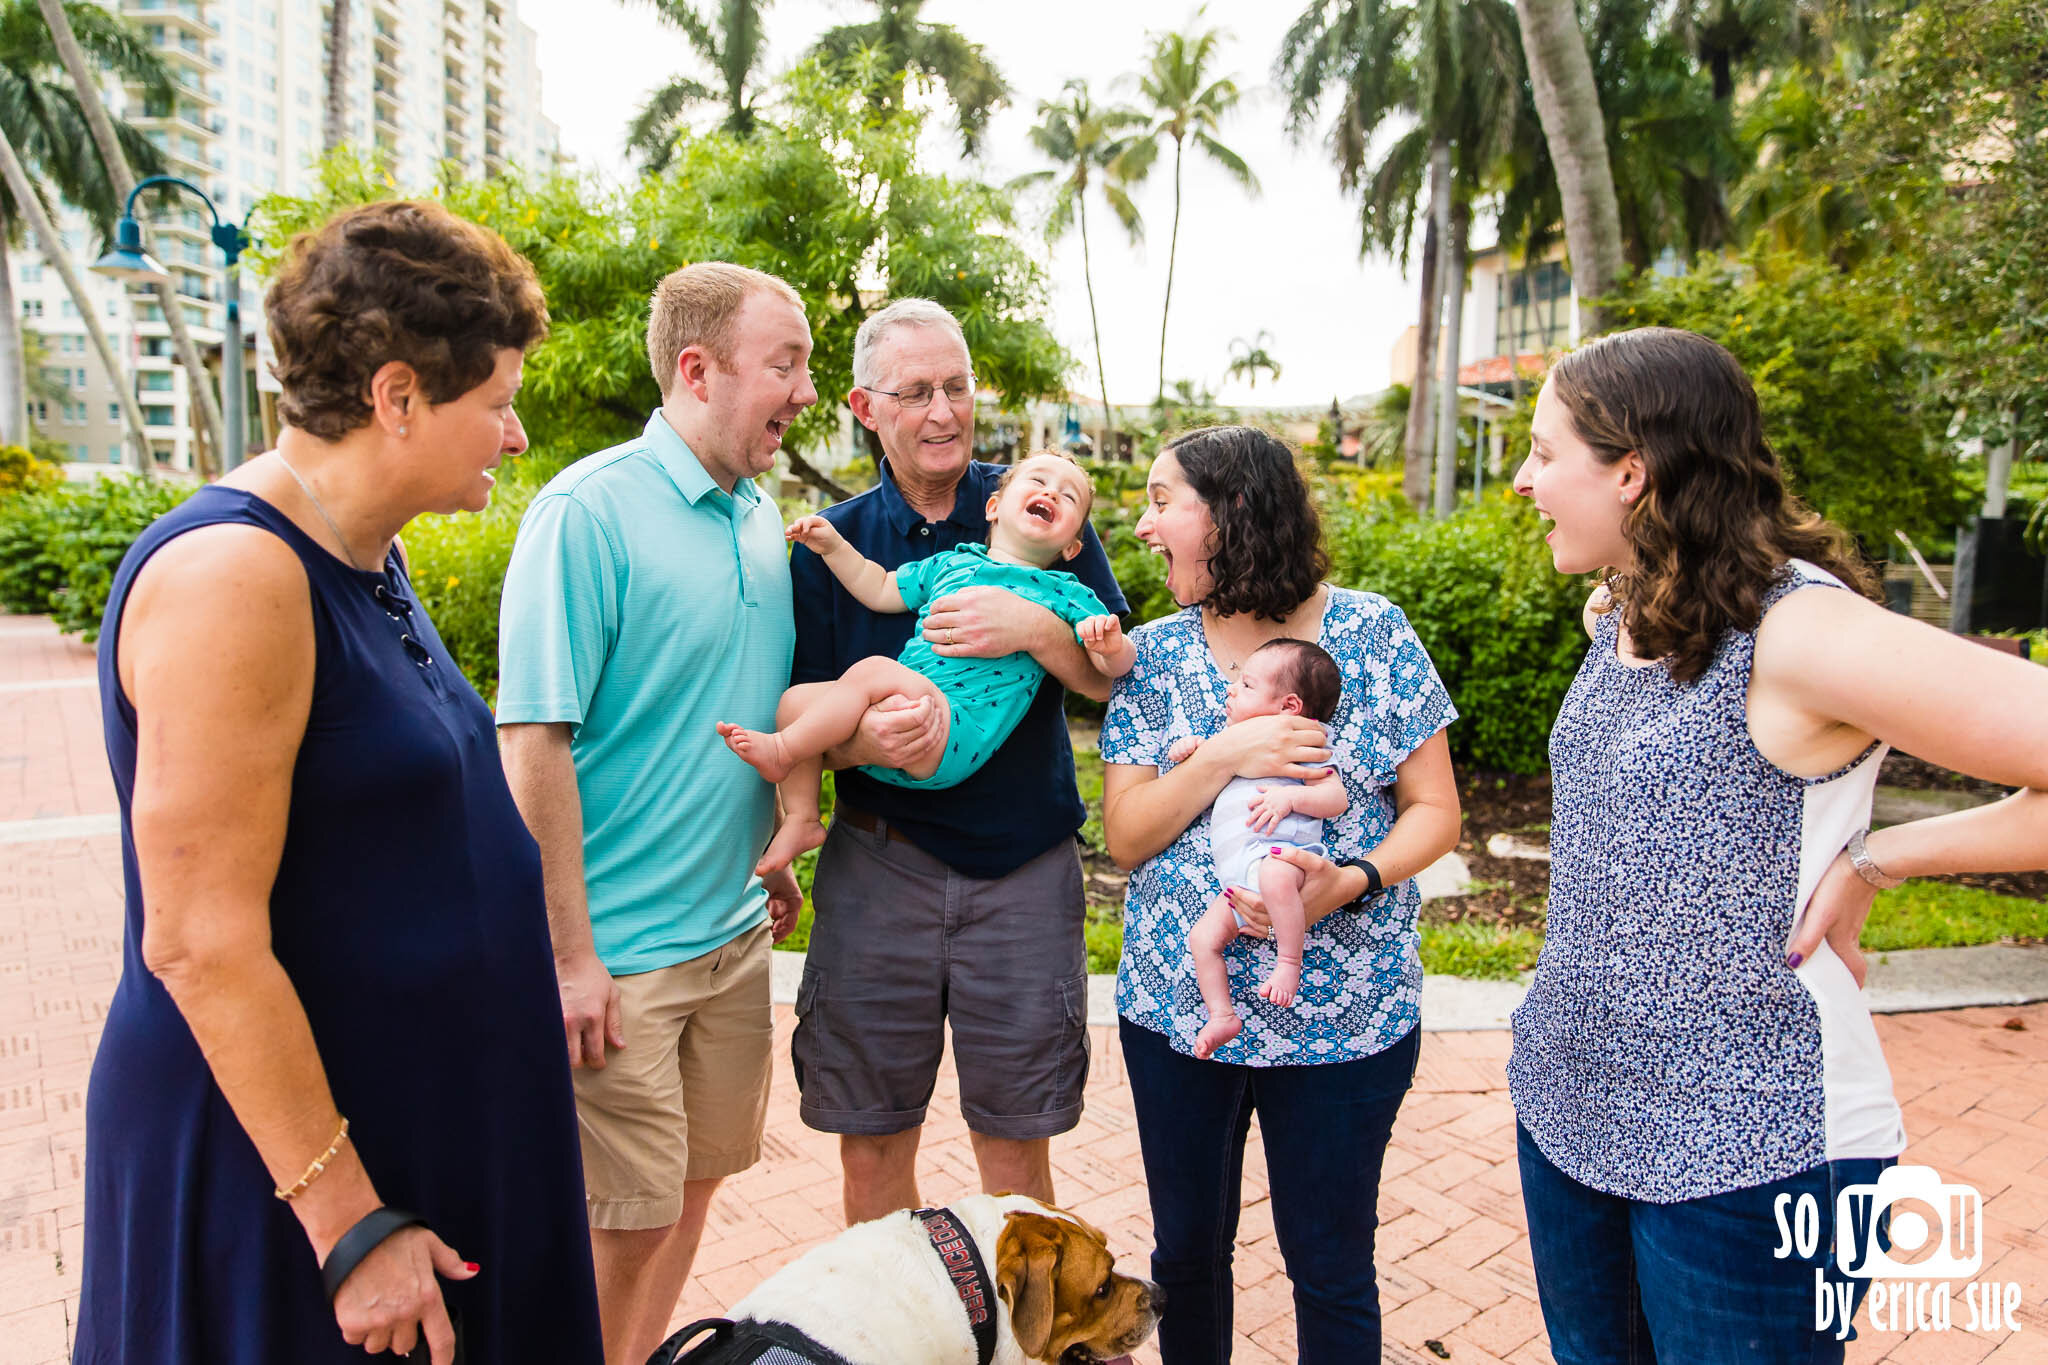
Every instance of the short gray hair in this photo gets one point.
(902, 313)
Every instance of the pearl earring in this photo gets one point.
(401, 431)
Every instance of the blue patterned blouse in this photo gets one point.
(1361, 978)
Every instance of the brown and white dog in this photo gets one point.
(878, 1293)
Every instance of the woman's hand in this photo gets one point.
(1325, 888)
(1835, 915)
(1271, 746)
(392, 1298)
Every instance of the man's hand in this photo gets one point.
(985, 623)
(896, 732)
(590, 1009)
(815, 533)
(785, 903)
(1269, 808)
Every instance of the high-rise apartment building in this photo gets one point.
(431, 83)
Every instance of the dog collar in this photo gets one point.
(969, 1276)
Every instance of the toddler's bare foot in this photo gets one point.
(763, 751)
(1216, 1033)
(797, 835)
(1282, 984)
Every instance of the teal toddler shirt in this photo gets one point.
(986, 697)
(642, 606)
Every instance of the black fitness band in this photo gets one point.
(1372, 881)
(366, 1236)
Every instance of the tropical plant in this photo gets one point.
(334, 122)
(1187, 105)
(734, 46)
(1446, 77)
(1091, 146)
(1250, 359)
(41, 117)
(885, 51)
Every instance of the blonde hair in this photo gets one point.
(697, 306)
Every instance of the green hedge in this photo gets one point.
(60, 544)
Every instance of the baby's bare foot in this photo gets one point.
(1282, 984)
(796, 836)
(762, 750)
(1216, 1033)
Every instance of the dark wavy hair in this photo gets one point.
(1266, 557)
(399, 280)
(1311, 675)
(1715, 524)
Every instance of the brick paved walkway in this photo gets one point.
(1454, 1262)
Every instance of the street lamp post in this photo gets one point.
(129, 263)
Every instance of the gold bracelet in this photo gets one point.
(313, 1171)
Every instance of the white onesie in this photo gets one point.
(1237, 849)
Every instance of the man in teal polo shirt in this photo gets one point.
(648, 599)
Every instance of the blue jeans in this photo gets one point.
(1624, 1282)
(1325, 1129)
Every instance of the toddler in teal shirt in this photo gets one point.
(1035, 516)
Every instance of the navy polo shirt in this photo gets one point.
(1023, 800)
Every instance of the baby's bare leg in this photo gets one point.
(1280, 888)
(1213, 933)
(816, 716)
(802, 828)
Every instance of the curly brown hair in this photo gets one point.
(402, 280)
(1266, 556)
(1715, 524)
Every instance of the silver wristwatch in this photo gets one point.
(1859, 858)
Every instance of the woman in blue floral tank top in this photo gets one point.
(1697, 1081)
(1233, 519)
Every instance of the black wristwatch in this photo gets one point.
(1372, 882)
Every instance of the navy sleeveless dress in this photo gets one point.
(408, 914)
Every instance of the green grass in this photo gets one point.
(1941, 915)
(1479, 949)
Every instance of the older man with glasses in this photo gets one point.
(963, 904)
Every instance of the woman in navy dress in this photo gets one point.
(330, 1113)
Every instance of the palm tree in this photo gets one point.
(1449, 72)
(46, 126)
(1187, 105)
(106, 135)
(1090, 146)
(334, 128)
(734, 47)
(1568, 104)
(1250, 359)
(897, 43)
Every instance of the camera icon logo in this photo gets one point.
(1936, 1230)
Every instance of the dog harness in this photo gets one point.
(750, 1342)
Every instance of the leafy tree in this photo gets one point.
(1187, 105)
(824, 194)
(1941, 145)
(1250, 359)
(1092, 146)
(1840, 378)
(733, 46)
(881, 54)
(1446, 77)
(43, 120)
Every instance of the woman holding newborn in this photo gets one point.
(1233, 519)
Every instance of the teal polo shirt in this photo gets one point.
(642, 606)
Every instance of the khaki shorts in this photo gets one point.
(687, 1097)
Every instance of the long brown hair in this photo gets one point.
(1715, 524)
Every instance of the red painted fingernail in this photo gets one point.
(471, 1266)
(1274, 849)
(1228, 894)
(1794, 959)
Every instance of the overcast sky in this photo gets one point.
(1286, 262)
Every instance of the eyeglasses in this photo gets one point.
(914, 396)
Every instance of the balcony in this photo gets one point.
(186, 50)
(185, 15)
(455, 80)
(181, 121)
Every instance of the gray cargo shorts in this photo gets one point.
(901, 943)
